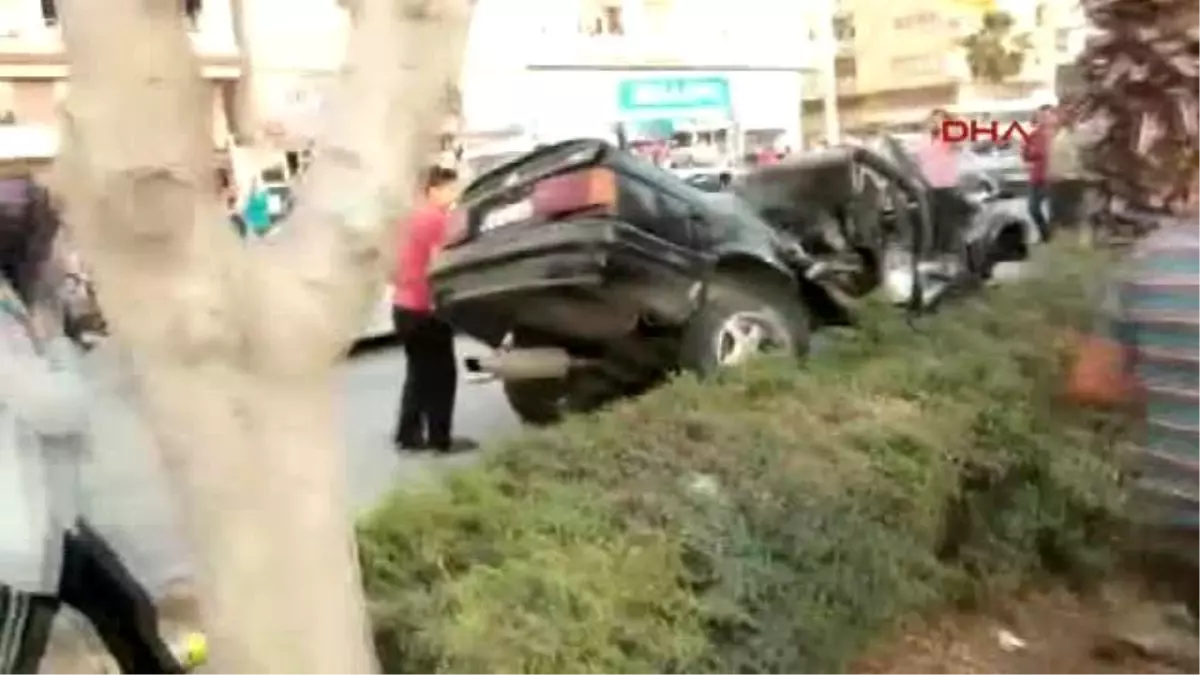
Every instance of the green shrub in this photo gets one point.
(771, 521)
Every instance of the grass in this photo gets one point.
(773, 520)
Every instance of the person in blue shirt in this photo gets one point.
(256, 212)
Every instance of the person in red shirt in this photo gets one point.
(427, 404)
(1035, 152)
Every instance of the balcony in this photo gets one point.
(31, 45)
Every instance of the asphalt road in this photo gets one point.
(127, 499)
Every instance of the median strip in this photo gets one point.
(774, 519)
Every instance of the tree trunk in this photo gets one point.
(244, 105)
(235, 344)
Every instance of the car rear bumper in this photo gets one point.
(493, 282)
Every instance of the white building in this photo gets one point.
(33, 64)
(295, 49)
(579, 67)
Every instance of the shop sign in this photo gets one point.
(681, 94)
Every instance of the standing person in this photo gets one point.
(1143, 359)
(48, 555)
(939, 164)
(1065, 173)
(1035, 152)
(427, 404)
(766, 156)
(256, 212)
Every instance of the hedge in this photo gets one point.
(773, 520)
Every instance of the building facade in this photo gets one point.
(897, 60)
(33, 63)
(558, 69)
(294, 50)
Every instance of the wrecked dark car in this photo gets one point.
(599, 273)
(867, 215)
(595, 274)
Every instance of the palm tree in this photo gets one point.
(1139, 76)
(995, 52)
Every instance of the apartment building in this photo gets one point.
(896, 60)
(33, 64)
(557, 69)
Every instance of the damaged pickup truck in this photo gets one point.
(595, 274)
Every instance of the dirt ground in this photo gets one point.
(1115, 631)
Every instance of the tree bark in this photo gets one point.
(234, 344)
(244, 105)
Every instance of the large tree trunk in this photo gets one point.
(244, 105)
(235, 344)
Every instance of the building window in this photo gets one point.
(1039, 15)
(917, 65)
(843, 27)
(1062, 40)
(191, 9)
(918, 20)
(605, 20)
(191, 12)
(7, 103)
(49, 12)
(612, 20)
(845, 68)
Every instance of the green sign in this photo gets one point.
(674, 95)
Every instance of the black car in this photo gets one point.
(866, 214)
(599, 273)
(596, 273)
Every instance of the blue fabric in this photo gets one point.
(257, 212)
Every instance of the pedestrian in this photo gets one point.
(256, 212)
(766, 156)
(1065, 173)
(1143, 359)
(48, 555)
(939, 164)
(1035, 152)
(427, 402)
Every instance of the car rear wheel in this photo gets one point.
(547, 401)
(742, 320)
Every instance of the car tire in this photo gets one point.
(730, 310)
(546, 401)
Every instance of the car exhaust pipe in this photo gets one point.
(539, 363)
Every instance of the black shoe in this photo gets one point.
(410, 445)
(454, 445)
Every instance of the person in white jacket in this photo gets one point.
(48, 555)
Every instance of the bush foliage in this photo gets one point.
(771, 521)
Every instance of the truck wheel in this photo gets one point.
(740, 320)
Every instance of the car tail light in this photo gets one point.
(587, 190)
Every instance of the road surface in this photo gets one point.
(127, 499)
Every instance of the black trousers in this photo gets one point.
(950, 213)
(427, 404)
(1038, 196)
(96, 583)
(1066, 203)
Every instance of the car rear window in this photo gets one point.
(537, 162)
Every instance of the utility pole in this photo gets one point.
(827, 48)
